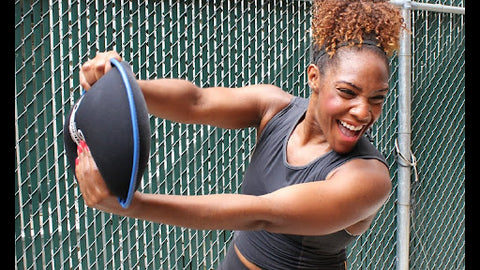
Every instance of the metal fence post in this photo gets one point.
(404, 141)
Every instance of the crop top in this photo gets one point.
(268, 171)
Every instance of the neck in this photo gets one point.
(306, 143)
(308, 131)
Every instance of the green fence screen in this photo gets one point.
(228, 43)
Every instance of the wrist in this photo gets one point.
(135, 206)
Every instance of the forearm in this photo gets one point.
(208, 212)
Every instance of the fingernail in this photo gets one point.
(77, 160)
(79, 149)
(84, 146)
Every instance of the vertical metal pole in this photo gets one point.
(404, 131)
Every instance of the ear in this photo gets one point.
(313, 76)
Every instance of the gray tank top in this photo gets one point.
(269, 171)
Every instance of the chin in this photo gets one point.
(343, 149)
(345, 146)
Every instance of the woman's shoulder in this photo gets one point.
(274, 99)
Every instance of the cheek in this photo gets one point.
(333, 105)
(376, 112)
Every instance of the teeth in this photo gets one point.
(352, 128)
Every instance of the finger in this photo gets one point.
(79, 150)
(87, 155)
(83, 82)
(97, 190)
(99, 68)
(88, 73)
(79, 166)
(109, 55)
(81, 162)
(92, 70)
(88, 177)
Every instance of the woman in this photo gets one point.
(314, 182)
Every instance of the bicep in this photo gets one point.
(324, 207)
(238, 107)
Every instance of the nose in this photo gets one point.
(362, 112)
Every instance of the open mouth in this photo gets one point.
(348, 130)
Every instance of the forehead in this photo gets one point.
(358, 66)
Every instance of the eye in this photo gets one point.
(346, 93)
(378, 99)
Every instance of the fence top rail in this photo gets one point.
(424, 6)
(428, 7)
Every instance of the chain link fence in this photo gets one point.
(228, 43)
(437, 237)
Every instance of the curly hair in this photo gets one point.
(339, 22)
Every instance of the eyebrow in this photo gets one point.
(358, 88)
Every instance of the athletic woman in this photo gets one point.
(314, 182)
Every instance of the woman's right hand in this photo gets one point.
(92, 70)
